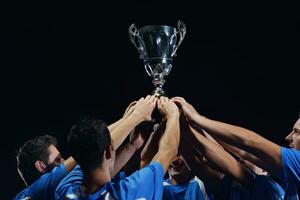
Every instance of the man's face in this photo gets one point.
(294, 137)
(54, 159)
(178, 168)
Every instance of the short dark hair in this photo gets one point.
(87, 141)
(31, 151)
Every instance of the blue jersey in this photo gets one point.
(45, 186)
(193, 190)
(263, 188)
(290, 173)
(143, 184)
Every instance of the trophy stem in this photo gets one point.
(159, 91)
(159, 81)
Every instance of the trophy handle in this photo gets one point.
(149, 70)
(181, 31)
(133, 35)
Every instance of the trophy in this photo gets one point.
(157, 45)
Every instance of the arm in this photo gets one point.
(238, 152)
(127, 112)
(151, 147)
(141, 112)
(236, 136)
(136, 141)
(221, 158)
(168, 145)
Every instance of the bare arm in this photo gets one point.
(151, 147)
(223, 159)
(238, 152)
(127, 112)
(122, 157)
(168, 145)
(141, 112)
(240, 137)
(136, 141)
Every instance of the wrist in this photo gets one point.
(174, 115)
(135, 117)
(196, 120)
(132, 147)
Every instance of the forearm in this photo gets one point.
(244, 155)
(151, 147)
(112, 126)
(123, 129)
(242, 138)
(171, 136)
(122, 157)
(168, 145)
(222, 159)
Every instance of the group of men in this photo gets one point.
(205, 159)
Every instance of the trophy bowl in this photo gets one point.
(157, 45)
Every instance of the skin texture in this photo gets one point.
(294, 137)
(169, 142)
(178, 171)
(55, 158)
(239, 137)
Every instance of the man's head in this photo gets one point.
(36, 157)
(178, 170)
(294, 137)
(90, 145)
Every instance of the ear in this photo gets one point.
(108, 152)
(40, 166)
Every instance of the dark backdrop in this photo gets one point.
(238, 64)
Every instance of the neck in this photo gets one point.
(178, 180)
(94, 180)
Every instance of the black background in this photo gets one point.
(239, 63)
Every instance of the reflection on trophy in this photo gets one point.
(157, 46)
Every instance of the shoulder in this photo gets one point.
(23, 195)
(144, 183)
(290, 164)
(70, 183)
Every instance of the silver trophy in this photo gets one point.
(157, 46)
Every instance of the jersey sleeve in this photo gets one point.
(291, 165)
(44, 187)
(67, 188)
(266, 188)
(145, 183)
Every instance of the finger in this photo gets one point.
(152, 98)
(141, 99)
(159, 102)
(178, 98)
(131, 104)
(163, 99)
(153, 102)
(148, 97)
(179, 101)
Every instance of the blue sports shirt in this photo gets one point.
(144, 184)
(45, 186)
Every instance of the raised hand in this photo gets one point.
(144, 108)
(188, 110)
(129, 109)
(167, 108)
